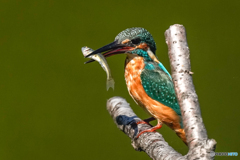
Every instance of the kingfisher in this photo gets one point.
(148, 82)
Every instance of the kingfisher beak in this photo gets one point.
(110, 49)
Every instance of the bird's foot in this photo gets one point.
(146, 121)
(153, 129)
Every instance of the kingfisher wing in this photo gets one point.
(158, 85)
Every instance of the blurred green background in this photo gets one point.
(52, 106)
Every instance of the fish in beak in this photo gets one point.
(110, 49)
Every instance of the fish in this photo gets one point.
(103, 62)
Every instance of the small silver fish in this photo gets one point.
(103, 62)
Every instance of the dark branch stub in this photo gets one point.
(200, 147)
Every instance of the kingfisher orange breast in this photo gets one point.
(133, 68)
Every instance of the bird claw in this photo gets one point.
(148, 130)
(143, 122)
(153, 129)
(146, 121)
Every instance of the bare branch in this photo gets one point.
(151, 142)
(179, 56)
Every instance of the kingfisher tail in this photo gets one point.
(181, 134)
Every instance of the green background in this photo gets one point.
(52, 106)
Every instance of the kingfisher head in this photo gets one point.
(132, 41)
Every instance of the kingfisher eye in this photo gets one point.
(136, 41)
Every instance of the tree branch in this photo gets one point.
(200, 147)
(151, 142)
(179, 57)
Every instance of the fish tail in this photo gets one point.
(110, 83)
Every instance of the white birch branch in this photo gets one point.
(200, 147)
(150, 142)
(179, 57)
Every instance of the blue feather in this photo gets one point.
(158, 85)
